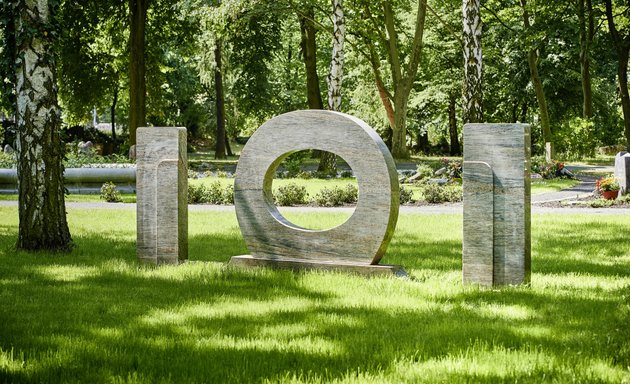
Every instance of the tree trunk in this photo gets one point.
(219, 152)
(309, 51)
(622, 47)
(622, 74)
(452, 126)
(113, 113)
(137, 80)
(228, 147)
(473, 92)
(328, 160)
(585, 16)
(42, 212)
(532, 61)
(403, 82)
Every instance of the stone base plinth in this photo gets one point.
(248, 261)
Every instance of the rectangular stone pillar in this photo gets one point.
(622, 171)
(497, 198)
(162, 195)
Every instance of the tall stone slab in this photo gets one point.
(497, 210)
(162, 193)
(622, 171)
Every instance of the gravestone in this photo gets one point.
(622, 171)
(360, 242)
(85, 148)
(8, 150)
(162, 192)
(497, 211)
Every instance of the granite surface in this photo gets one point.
(364, 237)
(162, 193)
(505, 148)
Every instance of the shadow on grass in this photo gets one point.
(97, 314)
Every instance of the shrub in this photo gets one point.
(425, 172)
(305, 175)
(293, 164)
(7, 161)
(337, 196)
(291, 194)
(601, 203)
(214, 193)
(346, 174)
(196, 193)
(435, 193)
(228, 194)
(406, 195)
(109, 193)
(192, 174)
(222, 174)
(549, 170)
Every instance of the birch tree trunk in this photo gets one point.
(42, 211)
(473, 92)
(328, 161)
(587, 31)
(219, 151)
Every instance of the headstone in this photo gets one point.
(85, 148)
(162, 192)
(8, 150)
(548, 152)
(497, 212)
(622, 171)
(271, 239)
(132, 152)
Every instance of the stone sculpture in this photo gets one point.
(162, 191)
(361, 241)
(622, 171)
(497, 212)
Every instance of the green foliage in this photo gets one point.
(212, 193)
(110, 193)
(548, 170)
(7, 161)
(406, 196)
(435, 193)
(425, 171)
(607, 184)
(453, 168)
(292, 164)
(80, 160)
(291, 194)
(576, 139)
(336, 196)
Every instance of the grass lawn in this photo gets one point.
(97, 316)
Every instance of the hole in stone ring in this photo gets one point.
(295, 191)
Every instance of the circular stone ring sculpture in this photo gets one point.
(364, 237)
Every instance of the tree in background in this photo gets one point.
(532, 61)
(328, 161)
(380, 38)
(620, 34)
(473, 92)
(137, 67)
(40, 150)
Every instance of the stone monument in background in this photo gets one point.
(162, 193)
(497, 211)
(622, 171)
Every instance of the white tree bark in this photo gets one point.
(473, 94)
(42, 212)
(335, 76)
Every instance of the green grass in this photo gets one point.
(97, 316)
